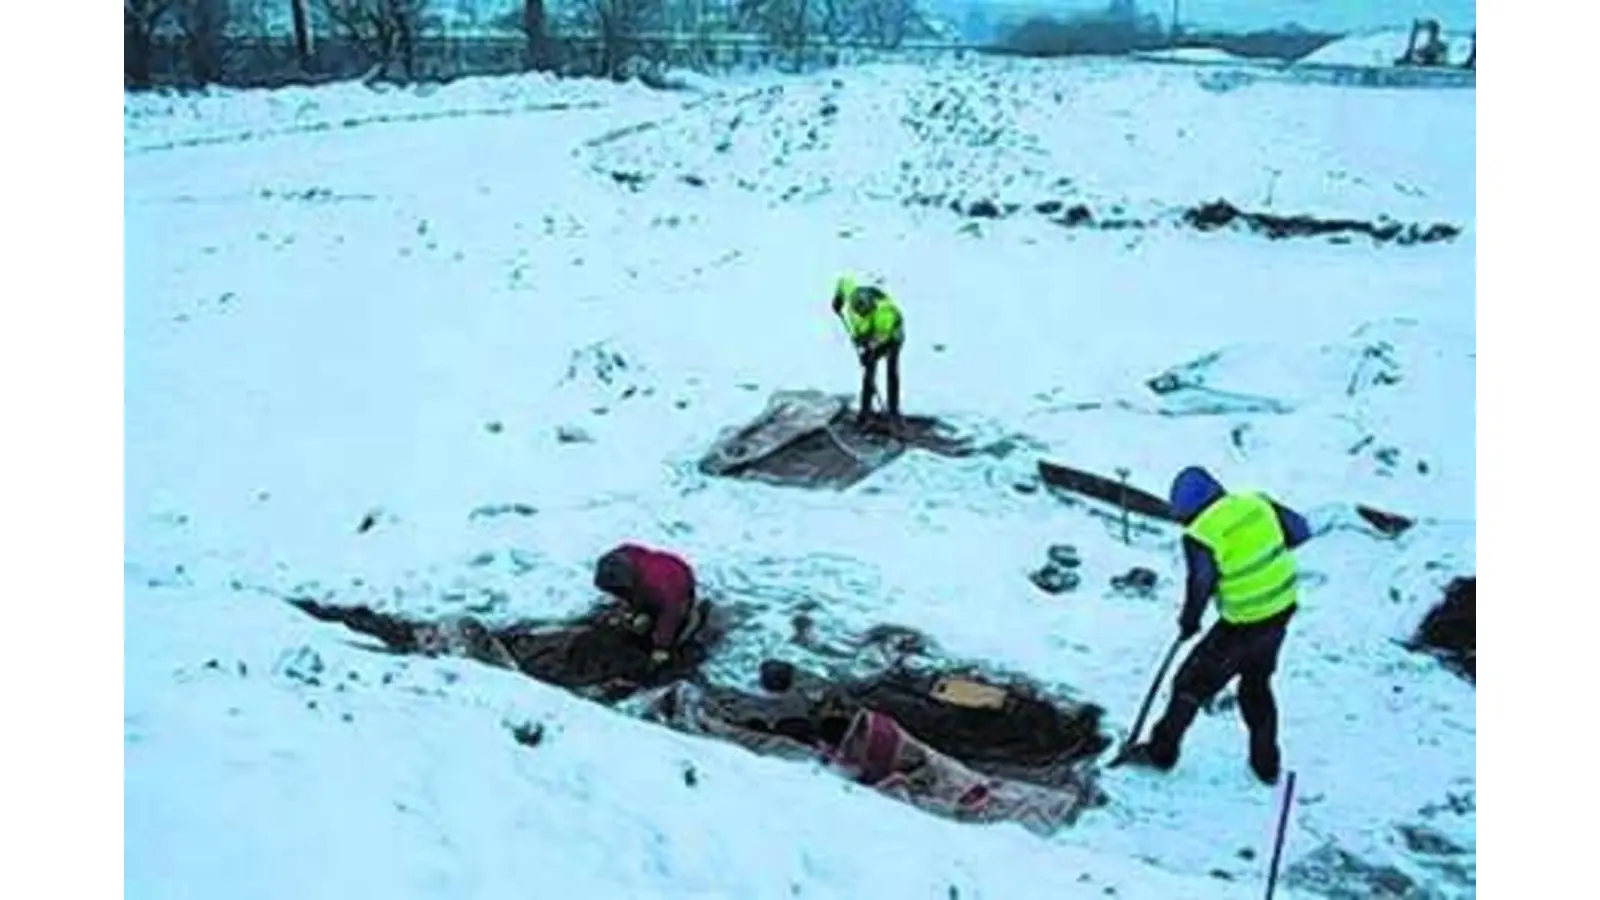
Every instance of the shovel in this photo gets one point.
(1149, 698)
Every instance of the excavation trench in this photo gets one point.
(944, 738)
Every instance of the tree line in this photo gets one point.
(202, 41)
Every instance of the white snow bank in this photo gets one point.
(1382, 48)
(1200, 55)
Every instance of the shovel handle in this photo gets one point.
(1144, 709)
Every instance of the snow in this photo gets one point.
(1202, 55)
(323, 322)
(1382, 48)
(413, 787)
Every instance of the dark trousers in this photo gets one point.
(1248, 652)
(890, 354)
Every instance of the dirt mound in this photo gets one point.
(1450, 630)
(811, 439)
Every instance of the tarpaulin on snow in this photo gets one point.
(1007, 731)
(794, 727)
(810, 439)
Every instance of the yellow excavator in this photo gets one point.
(1432, 51)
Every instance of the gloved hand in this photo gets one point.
(659, 657)
(1187, 628)
(639, 623)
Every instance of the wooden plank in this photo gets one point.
(959, 691)
(1105, 490)
(1389, 523)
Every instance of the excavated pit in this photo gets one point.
(810, 439)
(1026, 756)
(594, 655)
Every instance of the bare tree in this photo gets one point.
(301, 14)
(887, 22)
(204, 26)
(140, 18)
(385, 30)
(619, 24)
(787, 24)
(540, 52)
(833, 19)
(794, 25)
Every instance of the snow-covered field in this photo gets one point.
(344, 304)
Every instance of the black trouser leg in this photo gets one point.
(1209, 666)
(869, 372)
(893, 365)
(1257, 706)
(1259, 711)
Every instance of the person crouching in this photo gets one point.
(658, 590)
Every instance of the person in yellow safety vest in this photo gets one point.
(878, 331)
(1237, 546)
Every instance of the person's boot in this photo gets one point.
(1166, 737)
(1151, 755)
(1265, 762)
(1260, 714)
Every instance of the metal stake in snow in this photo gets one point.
(1122, 500)
(1283, 824)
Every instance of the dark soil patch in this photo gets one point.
(1450, 630)
(594, 655)
(1220, 214)
(1210, 216)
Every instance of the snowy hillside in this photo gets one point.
(435, 350)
